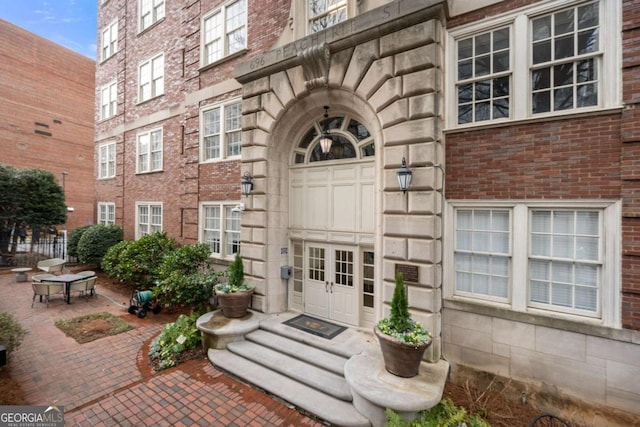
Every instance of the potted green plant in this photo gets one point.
(234, 295)
(403, 341)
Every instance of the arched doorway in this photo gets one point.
(332, 221)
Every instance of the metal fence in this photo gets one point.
(38, 246)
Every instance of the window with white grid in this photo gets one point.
(107, 160)
(224, 31)
(483, 76)
(546, 59)
(566, 55)
(344, 268)
(368, 279)
(231, 230)
(149, 151)
(326, 13)
(108, 100)
(220, 228)
(106, 213)
(109, 40)
(150, 12)
(221, 130)
(315, 265)
(565, 260)
(148, 218)
(482, 253)
(544, 257)
(151, 78)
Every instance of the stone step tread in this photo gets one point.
(325, 407)
(294, 368)
(313, 355)
(329, 346)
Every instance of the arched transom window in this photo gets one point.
(350, 140)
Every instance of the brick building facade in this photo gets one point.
(555, 160)
(517, 232)
(46, 114)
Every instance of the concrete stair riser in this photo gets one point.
(320, 358)
(328, 408)
(298, 370)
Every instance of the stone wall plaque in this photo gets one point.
(410, 272)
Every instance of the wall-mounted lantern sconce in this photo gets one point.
(404, 176)
(325, 140)
(246, 184)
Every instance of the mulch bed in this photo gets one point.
(92, 326)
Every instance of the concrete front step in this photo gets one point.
(336, 345)
(266, 347)
(313, 355)
(322, 405)
(296, 369)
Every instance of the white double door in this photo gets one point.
(331, 282)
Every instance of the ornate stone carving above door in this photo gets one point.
(315, 65)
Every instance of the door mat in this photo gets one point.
(314, 326)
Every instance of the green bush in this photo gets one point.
(74, 238)
(193, 290)
(113, 261)
(183, 277)
(95, 242)
(137, 262)
(444, 414)
(186, 259)
(11, 333)
(175, 338)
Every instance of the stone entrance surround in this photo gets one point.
(382, 67)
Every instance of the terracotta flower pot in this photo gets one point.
(400, 358)
(234, 304)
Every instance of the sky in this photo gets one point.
(69, 23)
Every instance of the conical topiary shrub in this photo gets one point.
(402, 341)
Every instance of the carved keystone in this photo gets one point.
(315, 65)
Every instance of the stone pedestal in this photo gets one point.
(218, 331)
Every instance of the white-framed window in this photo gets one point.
(108, 100)
(150, 12)
(149, 151)
(224, 31)
(109, 40)
(220, 228)
(106, 213)
(555, 57)
(323, 14)
(221, 131)
(151, 78)
(148, 218)
(557, 258)
(107, 160)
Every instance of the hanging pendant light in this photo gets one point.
(325, 140)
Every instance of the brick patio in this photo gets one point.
(107, 382)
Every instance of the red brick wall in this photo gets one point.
(630, 171)
(556, 159)
(184, 182)
(43, 82)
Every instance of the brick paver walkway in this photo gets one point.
(107, 383)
